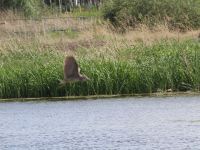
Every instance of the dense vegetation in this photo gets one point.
(33, 69)
(38, 8)
(182, 14)
(29, 71)
(28, 7)
(176, 14)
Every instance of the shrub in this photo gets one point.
(182, 14)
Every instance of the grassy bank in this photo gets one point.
(29, 70)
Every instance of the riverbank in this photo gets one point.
(140, 61)
(29, 71)
(95, 97)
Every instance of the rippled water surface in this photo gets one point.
(125, 124)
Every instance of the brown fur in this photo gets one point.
(72, 71)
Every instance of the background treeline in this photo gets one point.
(181, 14)
(36, 7)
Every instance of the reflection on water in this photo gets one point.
(128, 123)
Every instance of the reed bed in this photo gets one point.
(29, 70)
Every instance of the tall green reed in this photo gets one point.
(31, 71)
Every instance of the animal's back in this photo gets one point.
(70, 67)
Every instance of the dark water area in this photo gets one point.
(147, 123)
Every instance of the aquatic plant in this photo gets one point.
(28, 70)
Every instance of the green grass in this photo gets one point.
(82, 12)
(70, 33)
(26, 70)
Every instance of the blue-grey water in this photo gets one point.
(171, 123)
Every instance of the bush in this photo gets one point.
(182, 14)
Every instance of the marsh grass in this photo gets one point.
(139, 61)
(27, 70)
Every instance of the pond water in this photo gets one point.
(146, 123)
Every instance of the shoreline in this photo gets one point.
(94, 97)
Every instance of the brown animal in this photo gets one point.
(72, 71)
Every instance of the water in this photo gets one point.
(171, 123)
